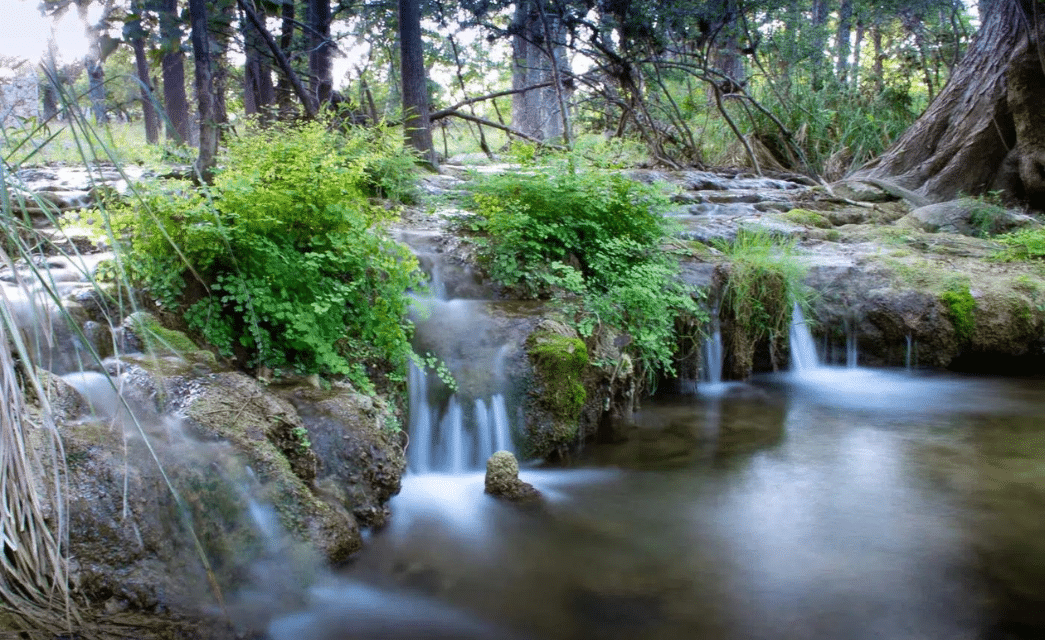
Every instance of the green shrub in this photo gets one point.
(283, 263)
(1025, 244)
(593, 237)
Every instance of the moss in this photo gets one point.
(807, 218)
(560, 362)
(157, 338)
(961, 307)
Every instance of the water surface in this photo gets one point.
(835, 503)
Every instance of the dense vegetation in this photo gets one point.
(594, 238)
(283, 262)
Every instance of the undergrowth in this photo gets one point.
(284, 264)
(592, 238)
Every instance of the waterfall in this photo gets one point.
(850, 346)
(713, 353)
(456, 430)
(803, 349)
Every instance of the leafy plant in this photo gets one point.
(1025, 244)
(592, 238)
(283, 263)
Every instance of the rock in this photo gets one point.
(966, 216)
(558, 393)
(502, 479)
(861, 191)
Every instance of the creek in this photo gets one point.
(836, 503)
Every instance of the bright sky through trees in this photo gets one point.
(24, 32)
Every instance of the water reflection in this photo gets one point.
(867, 505)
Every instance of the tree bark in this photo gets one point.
(986, 128)
(321, 50)
(204, 91)
(418, 127)
(152, 129)
(175, 100)
(842, 45)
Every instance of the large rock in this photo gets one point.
(967, 216)
(204, 475)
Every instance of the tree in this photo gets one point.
(986, 128)
(175, 100)
(205, 90)
(135, 33)
(321, 50)
(416, 122)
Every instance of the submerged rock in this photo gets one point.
(502, 479)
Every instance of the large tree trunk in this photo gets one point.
(539, 58)
(175, 100)
(204, 90)
(416, 121)
(986, 128)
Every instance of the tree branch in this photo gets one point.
(281, 59)
(452, 110)
(446, 113)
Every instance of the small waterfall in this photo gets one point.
(850, 346)
(907, 355)
(455, 431)
(803, 349)
(713, 353)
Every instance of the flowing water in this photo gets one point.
(825, 502)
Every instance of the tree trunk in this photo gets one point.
(284, 89)
(986, 128)
(539, 58)
(418, 127)
(204, 90)
(175, 100)
(96, 76)
(842, 46)
(152, 129)
(321, 50)
(258, 92)
(219, 32)
(817, 43)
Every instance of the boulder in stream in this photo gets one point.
(502, 479)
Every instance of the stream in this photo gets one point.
(839, 503)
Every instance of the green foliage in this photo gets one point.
(593, 237)
(283, 263)
(961, 307)
(985, 212)
(765, 282)
(1025, 244)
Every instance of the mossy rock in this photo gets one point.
(159, 340)
(807, 218)
(560, 364)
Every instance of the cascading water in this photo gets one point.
(803, 349)
(713, 353)
(456, 430)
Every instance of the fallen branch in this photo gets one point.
(496, 125)
(452, 110)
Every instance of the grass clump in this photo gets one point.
(283, 263)
(593, 237)
(764, 284)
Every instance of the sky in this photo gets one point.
(23, 31)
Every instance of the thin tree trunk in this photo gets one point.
(204, 90)
(175, 100)
(284, 90)
(152, 129)
(818, 42)
(418, 127)
(858, 44)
